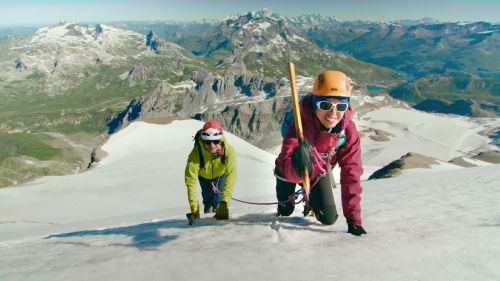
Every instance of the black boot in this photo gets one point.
(308, 211)
(285, 209)
(207, 209)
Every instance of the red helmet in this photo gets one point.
(211, 130)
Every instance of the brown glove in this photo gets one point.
(222, 212)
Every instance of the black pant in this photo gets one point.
(320, 199)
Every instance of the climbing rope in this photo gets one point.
(292, 198)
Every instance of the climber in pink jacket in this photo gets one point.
(332, 138)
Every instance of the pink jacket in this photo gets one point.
(348, 157)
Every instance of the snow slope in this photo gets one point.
(436, 135)
(124, 220)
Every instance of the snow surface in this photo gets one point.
(296, 37)
(257, 28)
(124, 220)
(439, 136)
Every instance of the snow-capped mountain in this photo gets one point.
(69, 47)
(65, 55)
(308, 21)
(262, 43)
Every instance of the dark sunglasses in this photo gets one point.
(327, 106)
(211, 141)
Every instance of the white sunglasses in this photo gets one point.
(327, 106)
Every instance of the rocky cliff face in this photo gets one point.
(248, 106)
(258, 123)
(162, 47)
(166, 100)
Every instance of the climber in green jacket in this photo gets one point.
(212, 162)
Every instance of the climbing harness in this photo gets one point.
(215, 185)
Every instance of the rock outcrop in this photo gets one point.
(489, 156)
(410, 160)
(460, 161)
(98, 30)
(20, 65)
(246, 105)
(257, 123)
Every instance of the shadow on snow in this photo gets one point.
(146, 236)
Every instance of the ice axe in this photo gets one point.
(304, 149)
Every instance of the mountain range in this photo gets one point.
(63, 86)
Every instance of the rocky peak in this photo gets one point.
(308, 21)
(262, 15)
(162, 47)
(20, 65)
(150, 42)
(74, 30)
(410, 22)
(98, 30)
(255, 40)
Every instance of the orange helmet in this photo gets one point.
(332, 83)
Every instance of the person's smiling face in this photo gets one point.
(330, 118)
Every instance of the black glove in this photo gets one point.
(301, 158)
(193, 216)
(222, 212)
(355, 229)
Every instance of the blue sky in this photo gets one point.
(18, 12)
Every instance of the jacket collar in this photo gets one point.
(220, 152)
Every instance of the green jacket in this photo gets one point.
(213, 168)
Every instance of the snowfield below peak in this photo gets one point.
(124, 220)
